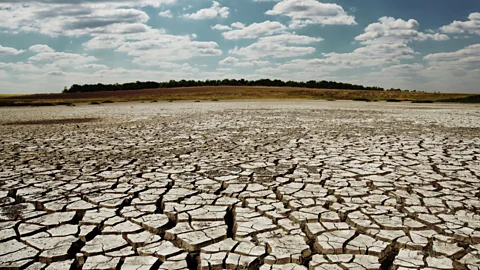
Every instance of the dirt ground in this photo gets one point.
(240, 185)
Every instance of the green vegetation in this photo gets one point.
(87, 88)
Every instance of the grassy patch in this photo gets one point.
(94, 103)
(108, 101)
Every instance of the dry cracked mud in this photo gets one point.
(240, 185)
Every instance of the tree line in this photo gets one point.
(226, 82)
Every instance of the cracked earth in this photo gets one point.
(240, 185)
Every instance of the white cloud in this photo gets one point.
(62, 59)
(255, 30)
(166, 14)
(238, 25)
(370, 56)
(56, 73)
(279, 46)
(3, 74)
(258, 50)
(233, 61)
(306, 12)
(221, 27)
(253, 63)
(472, 26)
(290, 38)
(390, 31)
(216, 10)
(467, 58)
(9, 51)
(102, 3)
(20, 67)
(155, 45)
(229, 61)
(70, 19)
(39, 48)
(469, 51)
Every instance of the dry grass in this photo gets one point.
(9, 95)
(224, 93)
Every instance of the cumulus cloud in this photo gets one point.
(166, 14)
(216, 10)
(467, 58)
(233, 61)
(112, 3)
(62, 59)
(369, 56)
(280, 46)
(390, 30)
(221, 27)
(9, 51)
(469, 51)
(290, 38)
(472, 26)
(255, 30)
(39, 48)
(69, 19)
(306, 12)
(259, 50)
(229, 61)
(238, 25)
(155, 45)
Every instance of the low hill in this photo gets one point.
(235, 92)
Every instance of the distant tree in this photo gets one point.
(230, 82)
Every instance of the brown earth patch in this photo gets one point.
(53, 121)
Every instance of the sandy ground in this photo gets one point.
(240, 185)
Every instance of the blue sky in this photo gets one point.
(410, 44)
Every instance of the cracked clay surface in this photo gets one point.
(240, 185)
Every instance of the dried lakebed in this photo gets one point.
(240, 185)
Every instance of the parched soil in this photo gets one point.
(266, 185)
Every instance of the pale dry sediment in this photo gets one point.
(240, 185)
